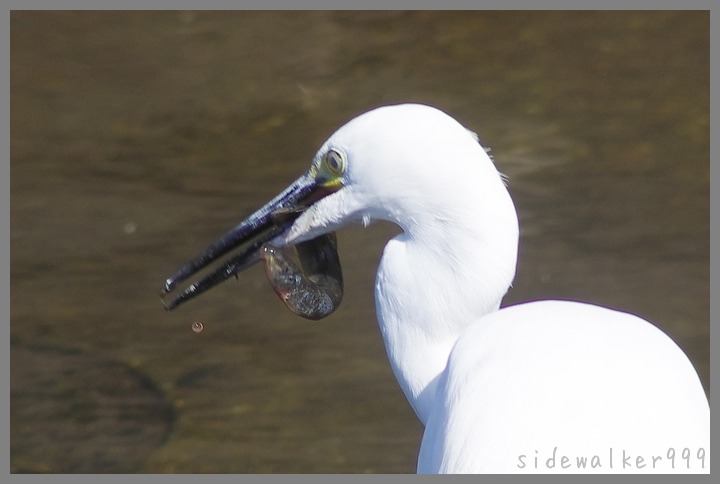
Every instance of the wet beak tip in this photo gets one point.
(168, 305)
(169, 285)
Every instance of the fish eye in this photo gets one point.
(335, 162)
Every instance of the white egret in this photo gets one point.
(549, 386)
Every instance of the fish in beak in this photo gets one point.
(313, 289)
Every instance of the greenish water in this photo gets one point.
(138, 137)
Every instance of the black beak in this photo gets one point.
(259, 228)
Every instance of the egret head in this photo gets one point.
(409, 164)
(400, 163)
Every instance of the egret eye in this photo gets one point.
(335, 162)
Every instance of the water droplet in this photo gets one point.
(197, 326)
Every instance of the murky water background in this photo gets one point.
(137, 138)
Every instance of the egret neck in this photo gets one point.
(452, 264)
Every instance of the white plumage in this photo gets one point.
(499, 390)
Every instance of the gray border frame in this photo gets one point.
(310, 5)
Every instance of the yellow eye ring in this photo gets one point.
(335, 162)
